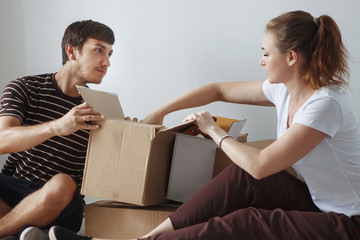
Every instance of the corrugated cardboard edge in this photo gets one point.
(156, 185)
(115, 205)
(83, 185)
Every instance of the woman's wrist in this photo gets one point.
(216, 133)
(219, 142)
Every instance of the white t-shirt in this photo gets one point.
(332, 169)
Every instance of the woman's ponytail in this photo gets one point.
(328, 62)
(318, 40)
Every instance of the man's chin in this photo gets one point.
(94, 81)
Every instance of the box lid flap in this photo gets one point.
(107, 104)
(179, 128)
(236, 128)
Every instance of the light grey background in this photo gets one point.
(166, 47)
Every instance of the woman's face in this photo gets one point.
(275, 63)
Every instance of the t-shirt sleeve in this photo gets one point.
(14, 100)
(275, 93)
(267, 90)
(323, 114)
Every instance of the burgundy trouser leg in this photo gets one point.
(236, 206)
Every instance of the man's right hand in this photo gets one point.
(79, 117)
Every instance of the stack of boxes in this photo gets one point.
(139, 167)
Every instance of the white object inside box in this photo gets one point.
(193, 163)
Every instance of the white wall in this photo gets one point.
(166, 47)
(12, 63)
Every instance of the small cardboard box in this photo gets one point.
(112, 220)
(193, 161)
(129, 162)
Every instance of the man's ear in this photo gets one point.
(292, 57)
(70, 51)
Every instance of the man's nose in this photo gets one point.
(106, 61)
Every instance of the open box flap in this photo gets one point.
(233, 127)
(236, 128)
(107, 104)
(180, 127)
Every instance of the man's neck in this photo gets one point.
(67, 81)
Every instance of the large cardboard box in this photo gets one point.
(126, 161)
(112, 220)
(193, 161)
(129, 162)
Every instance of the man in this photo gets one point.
(44, 125)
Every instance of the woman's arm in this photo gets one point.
(298, 141)
(233, 92)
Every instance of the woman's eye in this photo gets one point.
(99, 50)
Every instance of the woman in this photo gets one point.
(254, 198)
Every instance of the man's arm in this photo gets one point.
(17, 138)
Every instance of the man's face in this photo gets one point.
(93, 60)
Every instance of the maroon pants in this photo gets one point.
(236, 206)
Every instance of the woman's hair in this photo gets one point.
(318, 40)
(78, 32)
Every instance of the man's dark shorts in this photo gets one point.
(13, 190)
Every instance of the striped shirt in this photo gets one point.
(35, 100)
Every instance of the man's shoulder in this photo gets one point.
(41, 78)
(32, 81)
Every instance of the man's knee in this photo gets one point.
(59, 190)
(4, 208)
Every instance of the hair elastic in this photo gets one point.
(316, 21)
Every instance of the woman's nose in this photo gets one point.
(262, 62)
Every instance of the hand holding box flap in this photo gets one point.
(231, 126)
(105, 103)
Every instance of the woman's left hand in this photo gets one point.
(203, 120)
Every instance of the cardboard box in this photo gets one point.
(129, 162)
(111, 220)
(193, 161)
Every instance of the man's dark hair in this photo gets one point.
(78, 32)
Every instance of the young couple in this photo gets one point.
(254, 198)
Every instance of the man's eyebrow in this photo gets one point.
(103, 47)
(100, 45)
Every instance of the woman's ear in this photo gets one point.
(292, 57)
